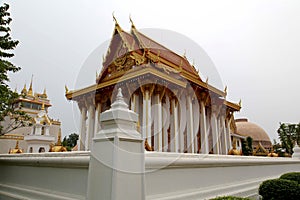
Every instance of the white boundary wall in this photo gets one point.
(168, 175)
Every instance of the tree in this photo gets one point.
(247, 146)
(7, 96)
(288, 135)
(70, 141)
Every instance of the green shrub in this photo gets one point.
(279, 189)
(292, 176)
(230, 198)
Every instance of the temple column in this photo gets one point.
(214, 126)
(158, 123)
(190, 126)
(204, 135)
(220, 134)
(224, 136)
(91, 126)
(228, 135)
(174, 126)
(196, 112)
(97, 118)
(147, 116)
(182, 122)
(82, 129)
(166, 122)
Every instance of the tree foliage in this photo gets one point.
(247, 146)
(70, 141)
(7, 96)
(288, 135)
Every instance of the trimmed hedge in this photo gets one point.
(292, 176)
(279, 189)
(230, 198)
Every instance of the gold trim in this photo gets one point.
(132, 74)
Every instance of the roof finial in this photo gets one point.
(30, 92)
(45, 94)
(59, 138)
(184, 53)
(240, 102)
(24, 90)
(66, 89)
(132, 24)
(225, 90)
(206, 80)
(96, 74)
(114, 18)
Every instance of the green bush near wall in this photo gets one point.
(230, 198)
(292, 176)
(279, 189)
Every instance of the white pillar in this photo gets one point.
(214, 126)
(176, 130)
(158, 123)
(166, 122)
(182, 121)
(224, 137)
(91, 127)
(190, 126)
(82, 136)
(196, 114)
(204, 135)
(147, 117)
(219, 133)
(228, 136)
(97, 118)
(110, 175)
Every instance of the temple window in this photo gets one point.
(41, 150)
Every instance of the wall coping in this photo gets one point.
(153, 160)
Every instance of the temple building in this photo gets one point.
(178, 111)
(42, 132)
(261, 144)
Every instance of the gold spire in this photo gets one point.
(45, 94)
(30, 92)
(17, 145)
(206, 80)
(24, 90)
(225, 90)
(240, 102)
(58, 138)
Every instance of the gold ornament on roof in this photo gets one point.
(66, 89)
(24, 90)
(30, 92)
(16, 149)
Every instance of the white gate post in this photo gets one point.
(117, 164)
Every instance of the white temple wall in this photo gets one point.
(168, 175)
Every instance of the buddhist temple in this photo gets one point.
(178, 111)
(40, 132)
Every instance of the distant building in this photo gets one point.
(44, 130)
(261, 144)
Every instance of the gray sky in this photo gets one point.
(254, 45)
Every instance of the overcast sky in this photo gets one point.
(253, 44)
